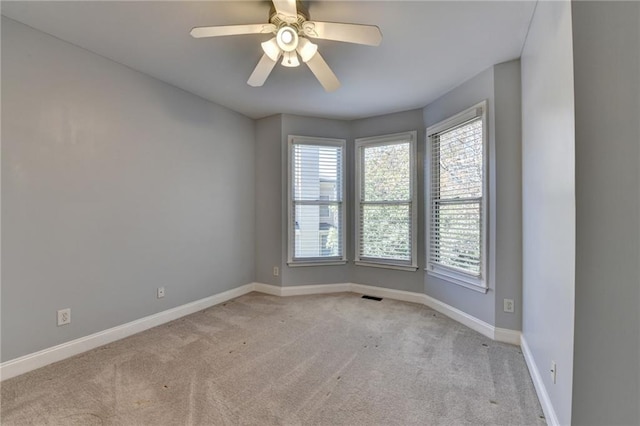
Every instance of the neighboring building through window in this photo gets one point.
(316, 196)
(386, 208)
(456, 211)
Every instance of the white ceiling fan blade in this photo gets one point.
(286, 7)
(350, 33)
(323, 73)
(262, 71)
(228, 30)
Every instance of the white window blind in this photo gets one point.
(456, 201)
(316, 200)
(385, 205)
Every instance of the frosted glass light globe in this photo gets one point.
(287, 38)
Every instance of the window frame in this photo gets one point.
(382, 140)
(315, 261)
(470, 281)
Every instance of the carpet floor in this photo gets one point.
(332, 359)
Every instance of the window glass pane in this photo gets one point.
(456, 199)
(317, 234)
(460, 166)
(316, 192)
(386, 231)
(387, 172)
(455, 239)
(317, 172)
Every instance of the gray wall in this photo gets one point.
(466, 95)
(606, 379)
(501, 86)
(318, 127)
(268, 176)
(382, 125)
(475, 90)
(548, 199)
(508, 190)
(271, 201)
(113, 184)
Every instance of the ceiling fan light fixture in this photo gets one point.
(271, 49)
(287, 38)
(306, 49)
(290, 59)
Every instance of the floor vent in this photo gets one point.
(377, 299)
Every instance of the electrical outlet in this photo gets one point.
(64, 316)
(508, 305)
(160, 292)
(276, 271)
(554, 372)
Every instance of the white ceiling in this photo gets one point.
(428, 48)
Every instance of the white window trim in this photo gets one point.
(471, 282)
(321, 261)
(412, 136)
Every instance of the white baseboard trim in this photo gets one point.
(495, 333)
(405, 296)
(273, 290)
(541, 390)
(464, 318)
(499, 334)
(65, 350)
(301, 290)
(315, 289)
(508, 336)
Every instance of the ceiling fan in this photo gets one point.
(289, 23)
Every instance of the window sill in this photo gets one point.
(387, 266)
(474, 285)
(295, 264)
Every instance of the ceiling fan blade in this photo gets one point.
(228, 30)
(262, 71)
(286, 7)
(350, 33)
(323, 73)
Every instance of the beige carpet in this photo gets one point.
(319, 360)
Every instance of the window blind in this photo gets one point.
(385, 232)
(317, 201)
(456, 205)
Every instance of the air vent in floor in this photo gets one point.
(377, 299)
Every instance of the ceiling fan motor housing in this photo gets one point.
(278, 19)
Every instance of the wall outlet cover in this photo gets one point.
(508, 305)
(64, 316)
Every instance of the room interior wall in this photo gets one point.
(548, 203)
(113, 184)
(163, 202)
(500, 85)
(268, 176)
(474, 90)
(508, 190)
(318, 127)
(104, 201)
(606, 63)
(384, 125)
